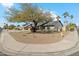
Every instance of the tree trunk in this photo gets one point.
(34, 28)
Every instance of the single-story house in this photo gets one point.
(54, 25)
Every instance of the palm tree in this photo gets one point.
(71, 17)
(66, 14)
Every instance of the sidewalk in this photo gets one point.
(12, 47)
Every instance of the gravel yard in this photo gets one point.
(36, 38)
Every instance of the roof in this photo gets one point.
(42, 23)
(51, 23)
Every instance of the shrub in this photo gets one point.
(71, 26)
(11, 27)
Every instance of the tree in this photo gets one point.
(28, 12)
(5, 26)
(11, 27)
(71, 17)
(66, 14)
(72, 26)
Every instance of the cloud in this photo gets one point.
(53, 15)
(7, 5)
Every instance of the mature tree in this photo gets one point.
(28, 12)
(66, 14)
(71, 17)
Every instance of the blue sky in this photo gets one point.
(57, 8)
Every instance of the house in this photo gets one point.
(54, 25)
(27, 27)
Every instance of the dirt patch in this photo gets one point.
(36, 38)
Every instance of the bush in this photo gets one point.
(71, 26)
(11, 27)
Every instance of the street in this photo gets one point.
(77, 53)
(1, 54)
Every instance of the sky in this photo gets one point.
(56, 8)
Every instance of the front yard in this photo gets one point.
(37, 38)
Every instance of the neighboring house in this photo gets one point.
(19, 28)
(27, 27)
(24, 27)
